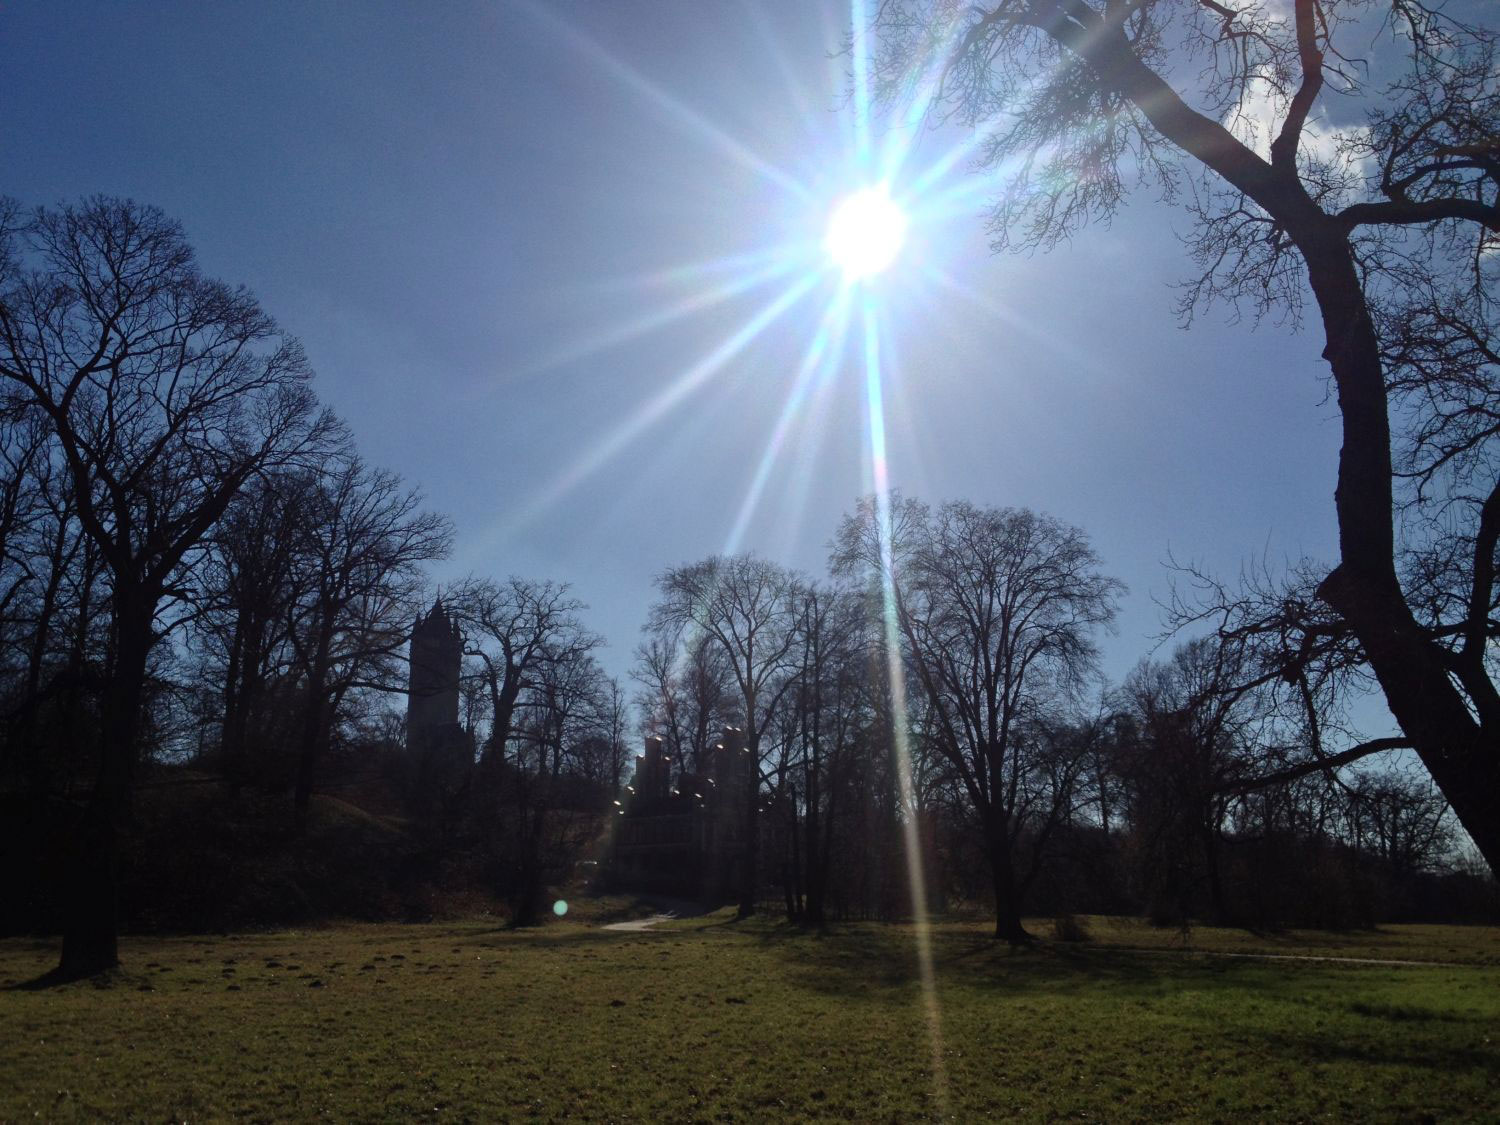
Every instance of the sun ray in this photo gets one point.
(973, 138)
(685, 116)
(821, 352)
(860, 58)
(694, 273)
(768, 41)
(899, 145)
(911, 835)
(1075, 356)
(660, 404)
(703, 298)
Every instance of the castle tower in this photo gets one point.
(653, 772)
(437, 650)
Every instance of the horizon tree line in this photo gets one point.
(194, 555)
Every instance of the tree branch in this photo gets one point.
(1331, 762)
(1412, 212)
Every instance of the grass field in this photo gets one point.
(715, 1021)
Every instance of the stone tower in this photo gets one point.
(437, 650)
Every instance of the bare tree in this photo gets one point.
(747, 607)
(686, 696)
(557, 718)
(612, 711)
(996, 608)
(249, 590)
(48, 605)
(828, 708)
(513, 628)
(164, 392)
(1389, 225)
(363, 538)
(1400, 819)
(1196, 729)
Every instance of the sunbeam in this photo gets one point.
(1075, 356)
(704, 298)
(682, 114)
(911, 836)
(695, 273)
(864, 238)
(860, 59)
(822, 353)
(684, 385)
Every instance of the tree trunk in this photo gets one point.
(750, 851)
(1462, 756)
(793, 876)
(1007, 903)
(232, 728)
(91, 926)
(815, 863)
(91, 923)
(314, 721)
(1216, 903)
(1413, 670)
(307, 753)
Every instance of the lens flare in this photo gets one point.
(865, 233)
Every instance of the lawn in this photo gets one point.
(716, 1021)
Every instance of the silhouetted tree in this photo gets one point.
(1400, 820)
(49, 611)
(557, 712)
(686, 694)
(1390, 226)
(163, 392)
(250, 587)
(827, 707)
(1195, 727)
(511, 629)
(748, 608)
(995, 609)
(363, 538)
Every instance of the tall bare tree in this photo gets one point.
(164, 392)
(1198, 729)
(364, 537)
(557, 718)
(686, 696)
(249, 590)
(996, 610)
(1389, 224)
(829, 707)
(748, 609)
(513, 628)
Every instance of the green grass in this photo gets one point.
(1470, 945)
(711, 1020)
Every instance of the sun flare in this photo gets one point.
(865, 233)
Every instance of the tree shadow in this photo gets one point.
(56, 978)
(1398, 1048)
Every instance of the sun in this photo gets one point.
(865, 233)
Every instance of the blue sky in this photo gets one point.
(463, 209)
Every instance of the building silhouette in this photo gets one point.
(687, 838)
(437, 651)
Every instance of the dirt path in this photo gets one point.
(666, 909)
(638, 925)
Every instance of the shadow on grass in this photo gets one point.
(56, 978)
(1386, 1048)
